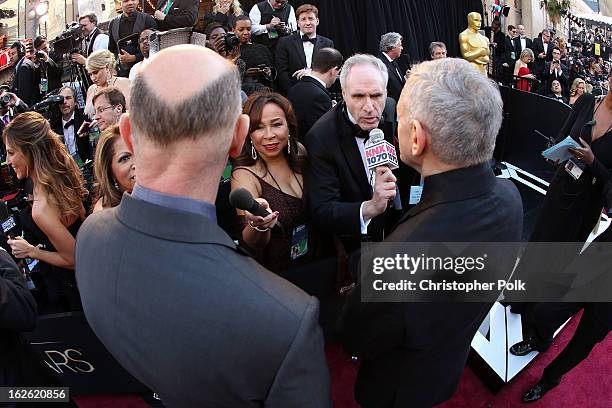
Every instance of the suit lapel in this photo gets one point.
(300, 49)
(352, 154)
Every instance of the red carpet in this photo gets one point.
(588, 385)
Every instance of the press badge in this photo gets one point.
(574, 169)
(299, 242)
(44, 86)
(415, 193)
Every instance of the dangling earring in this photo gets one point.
(109, 76)
(253, 151)
(116, 185)
(289, 144)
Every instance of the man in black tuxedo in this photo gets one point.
(521, 41)
(510, 56)
(171, 14)
(310, 97)
(68, 125)
(498, 40)
(26, 82)
(556, 70)
(390, 49)
(543, 51)
(130, 22)
(413, 354)
(294, 53)
(341, 199)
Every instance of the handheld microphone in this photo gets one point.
(9, 225)
(242, 199)
(379, 152)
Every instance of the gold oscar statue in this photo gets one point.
(474, 46)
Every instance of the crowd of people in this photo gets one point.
(160, 263)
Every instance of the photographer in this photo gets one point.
(94, 39)
(271, 20)
(27, 77)
(50, 71)
(143, 45)
(257, 58)
(66, 126)
(10, 105)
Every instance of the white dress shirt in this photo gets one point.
(523, 43)
(390, 60)
(69, 138)
(308, 49)
(100, 43)
(258, 28)
(361, 145)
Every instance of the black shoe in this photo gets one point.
(527, 346)
(538, 391)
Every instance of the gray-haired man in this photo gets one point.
(164, 288)
(391, 48)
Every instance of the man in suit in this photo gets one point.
(131, 21)
(437, 50)
(294, 53)
(556, 70)
(310, 97)
(176, 14)
(413, 354)
(71, 121)
(498, 40)
(272, 19)
(390, 49)
(50, 70)
(26, 82)
(342, 201)
(542, 50)
(158, 277)
(521, 41)
(94, 38)
(510, 56)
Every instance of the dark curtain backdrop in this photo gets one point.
(356, 25)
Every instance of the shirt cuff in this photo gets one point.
(363, 223)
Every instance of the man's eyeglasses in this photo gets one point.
(101, 110)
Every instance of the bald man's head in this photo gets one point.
(185, 92)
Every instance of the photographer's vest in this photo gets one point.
(92, 40)
(139, 26)
(267, 14)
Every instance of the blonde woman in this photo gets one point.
(101, 68)
(578, 88)
(224, 12)
(521, 69)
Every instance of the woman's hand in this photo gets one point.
(262, 223)
(583, 153)
(22, 248)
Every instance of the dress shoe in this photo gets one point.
(527, 346)
(538, 391)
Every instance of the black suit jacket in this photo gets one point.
(537, 48)
(336, 181)
(547, 78)
(413, 354)
(310, 100)
(82, 143)
(517, 45)
(182, 13)
(290, 58)
(26, 83)
(396, 82)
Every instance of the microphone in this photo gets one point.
(9, 225)
(379, 152)
(242, 199)
(591, 123)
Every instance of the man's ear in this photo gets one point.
(241, 131)
(419, 139)
(125, 128)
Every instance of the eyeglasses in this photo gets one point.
(101, 110)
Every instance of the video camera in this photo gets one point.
(69, 41)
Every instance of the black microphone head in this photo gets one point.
(242, 199)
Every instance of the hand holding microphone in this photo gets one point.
(259, 222)
(384, 191)
(257, 210)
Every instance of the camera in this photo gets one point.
(39, 54)
(5, 100)
(231, 42)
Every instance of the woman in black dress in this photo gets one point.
(270, 167)
(50, 224)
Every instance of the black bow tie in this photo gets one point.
(69, 123)
(310, 40)
(355, 129)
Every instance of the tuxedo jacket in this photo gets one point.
(310, 100)
(336, 182)
(290, 57)
(413, 354)
(182, 13)
(82, 143)
(547, 78)
(157, 283)
(517, 45)
(537, 48)
(26, 83)
(396, 80)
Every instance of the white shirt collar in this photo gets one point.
(351, 118)
(318, 80)
(66, 121)
(388, 57)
